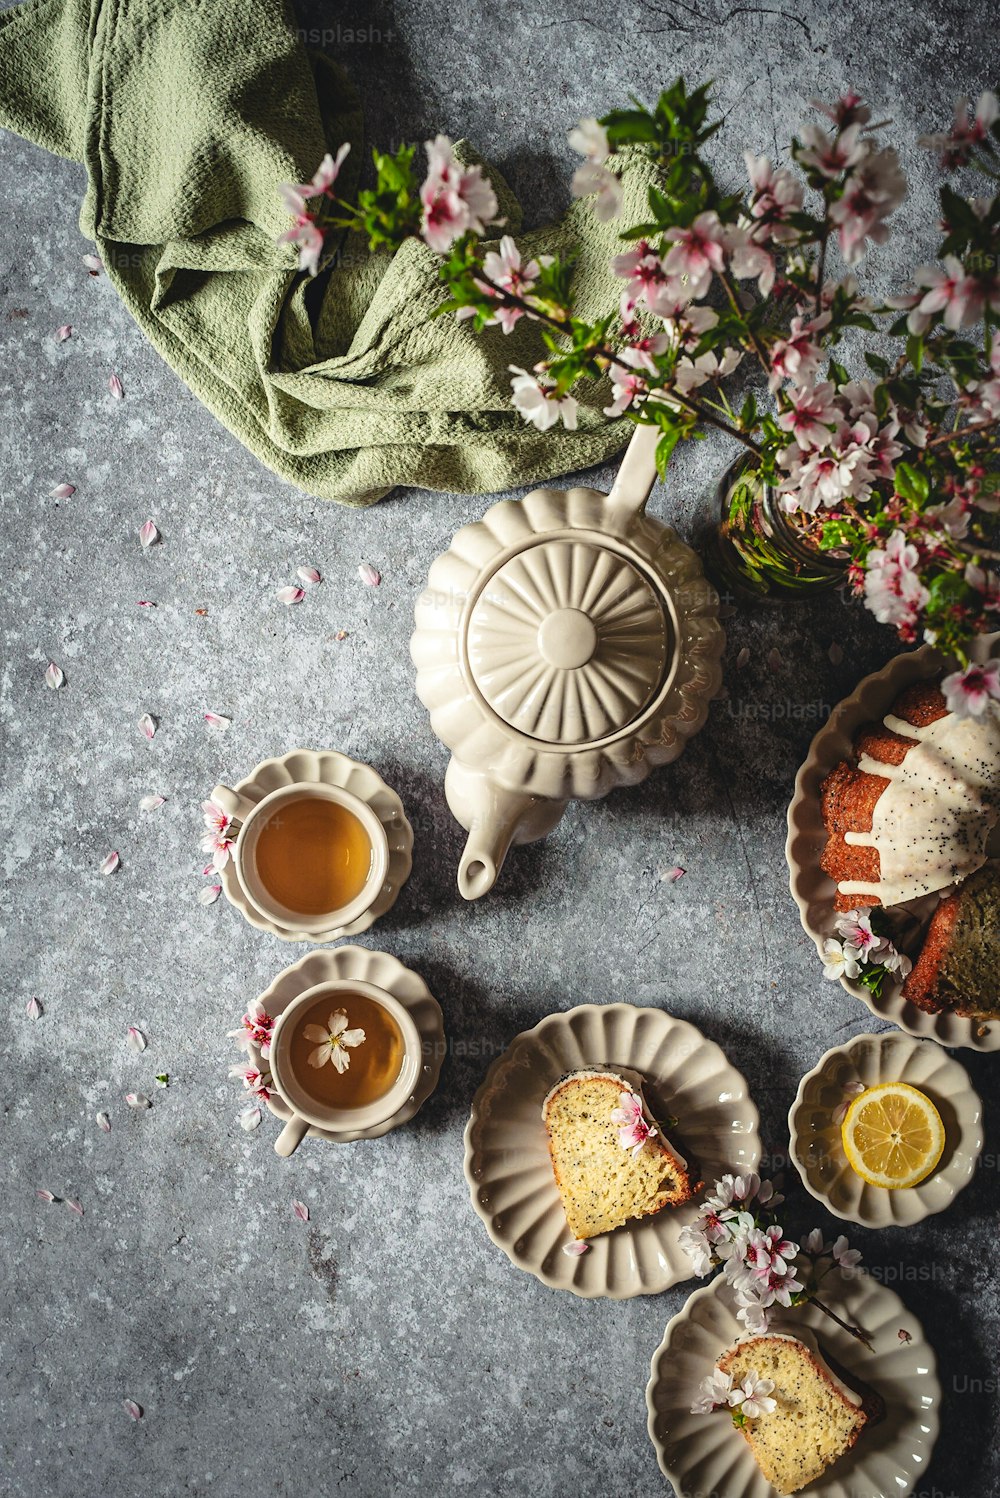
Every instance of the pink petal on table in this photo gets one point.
(110, 863)
(54, 677)
(671, 876)
(743, 658)
(250, 1119)
(209, 894)
(137, 1100)
(290, 595)
(74, 1206)
(133, 1409)
(150, 803)
(148, 725)
(576, 1248)
(341, 634)
(209, 869)
(66, 331)
(148, 533)
(369, 575)
(116, 387)
(93, 263)
(301, 1211)
(63, 491)
(33, 1008)
(134, 1039)
(46, 1196)
(145, 603)
(309, 575)
(836, 654)
(775, 660)
(103, 1122)
(217, 720)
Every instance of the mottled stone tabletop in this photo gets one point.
(386, 1346)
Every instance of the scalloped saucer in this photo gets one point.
(329, 767)
(385, 972)
(815, 1135)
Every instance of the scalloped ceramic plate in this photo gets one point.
(507, 1162)
(385, 972)
(329, 767)
(705, 1455)
(815, 1136)
(813, 892)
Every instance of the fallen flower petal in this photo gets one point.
(145, 603)
(369, 575)
(62, 491)
(74, 1206)
(775, 660)
(743, 658)
(836, 654)
(110, 863)
(209, 894)
(46, 1196)
(290, 595)
(54, 677)
(671, 876)
(150, 803)
(103, 1122)
(33, 1008)
(576, 1248)
(93, 263)
(217, 720)
(115, 386)
(904, 1335)
(250, 1119)
(134, 1039)
(148, 533)
(309, 575)
(341, 634)
(301, 1211)
(66, 331)
(135, 1410)
(148, 725)
(137, 1100)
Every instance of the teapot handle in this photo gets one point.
(637, 473)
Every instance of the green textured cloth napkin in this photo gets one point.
(187, 116)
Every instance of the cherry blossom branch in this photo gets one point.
(853, 1331)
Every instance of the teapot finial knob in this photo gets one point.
(567, 639)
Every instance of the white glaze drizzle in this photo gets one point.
(931, 822)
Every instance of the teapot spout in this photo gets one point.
(495, 818)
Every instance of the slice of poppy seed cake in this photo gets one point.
(604, 1183)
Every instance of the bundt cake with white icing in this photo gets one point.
(912, 814)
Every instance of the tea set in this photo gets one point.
(566, 644)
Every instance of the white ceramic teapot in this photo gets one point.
(565, 644)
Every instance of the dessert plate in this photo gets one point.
(706, 1454)
(385, 972)
(507, 1162)
(328, 767)
(813, 891)
(815, 1133)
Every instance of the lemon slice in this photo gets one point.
(893, 1135)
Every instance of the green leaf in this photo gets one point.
(911, 484)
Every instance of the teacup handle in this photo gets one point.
(291, 1136)
(232, 803)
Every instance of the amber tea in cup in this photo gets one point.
(345, 1050)
(313, 855)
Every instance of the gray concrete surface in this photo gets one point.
(386, 1347)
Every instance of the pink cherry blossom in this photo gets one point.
(892, 586)
(217, 839)
(308, 238)
(956, 146)
(633, 1128)
(811, 413)
(775, 194)
(873, 191)
(749, 260)
(504, 268)
(627, 385)
(830, 155)
(539, 403)
(590, 139)
(797, 357)
(969, 693)
(599, 182)
(856, 928)
(697, 252)
(643, 269)
(455, 199)
(255, 1029)
(254, 1080)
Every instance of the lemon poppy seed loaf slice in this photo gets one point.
(816, 1418)
(602, 1181)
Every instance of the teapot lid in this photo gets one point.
(567, 641)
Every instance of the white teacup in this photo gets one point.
(306, 1110)
(253, 816)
